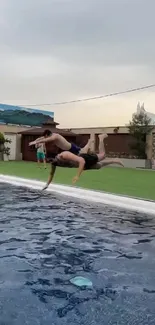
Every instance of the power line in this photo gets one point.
(96, 97)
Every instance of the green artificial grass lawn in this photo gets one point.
(132, 182)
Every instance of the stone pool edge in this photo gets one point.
(122, 202)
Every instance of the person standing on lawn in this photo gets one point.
(41, 153)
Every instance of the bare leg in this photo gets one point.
(86, 148)
(108, 162)
(38, 163)
(44, 161)
(101, 154)
(102, 137)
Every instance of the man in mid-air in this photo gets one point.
(59, 141)
(83, 161)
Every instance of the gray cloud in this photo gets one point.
(53, 50)
(89, 28)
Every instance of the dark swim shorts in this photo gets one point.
(74, 149)
(90, 159)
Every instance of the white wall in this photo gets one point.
(132, 163)
(18, 147)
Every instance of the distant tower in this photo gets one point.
(142, 108)
(138, 108)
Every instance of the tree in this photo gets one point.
(2, 139)
(139, 128)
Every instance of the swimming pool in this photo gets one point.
(46, 241)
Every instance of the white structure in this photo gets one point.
(141, 110)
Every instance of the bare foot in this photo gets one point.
(119, 162)
(103, 136)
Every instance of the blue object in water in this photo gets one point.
(81, 282)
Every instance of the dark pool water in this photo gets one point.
(46, 241)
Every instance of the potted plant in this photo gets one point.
(6, 153)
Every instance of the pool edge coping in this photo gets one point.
(120, 201)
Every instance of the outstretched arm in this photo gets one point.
(41, 140)
(77, 160)
(51, 176)
(37, 141)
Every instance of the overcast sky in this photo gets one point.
(58, 50)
